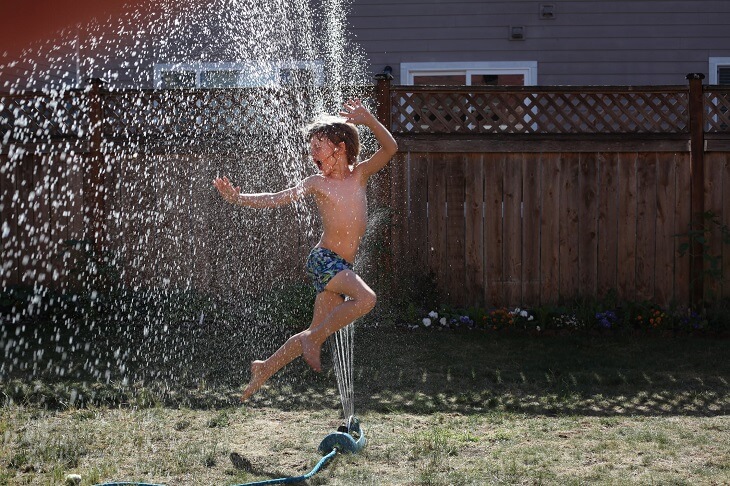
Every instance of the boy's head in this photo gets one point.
(337, 131)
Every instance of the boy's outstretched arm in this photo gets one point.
(261, 200)
(355, 112)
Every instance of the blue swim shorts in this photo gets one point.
(323, 265)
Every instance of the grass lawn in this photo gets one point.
(441, 408)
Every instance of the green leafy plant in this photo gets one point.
(697, 238)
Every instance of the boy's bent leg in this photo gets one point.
(362, 301)
(263, 370)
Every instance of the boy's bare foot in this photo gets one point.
(258, 378)
(311, 351)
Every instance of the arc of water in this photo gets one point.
(342, 346)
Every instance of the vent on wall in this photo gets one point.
(547, 11)
(516, 32)
(723, 75)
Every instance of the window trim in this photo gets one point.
(715, 63)
(271, 69)
(527, 68)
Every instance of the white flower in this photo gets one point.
(426, 321)
(524, 313)
(530, 318)
(538, 328)
(443, 321)
(433, 315)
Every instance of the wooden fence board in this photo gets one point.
(626, 276)
(474, 230)
(9, 244)
(665, 227)
(58, 220)
(646, 214)
(418, 213)
(455, 228)
(437, 217)
(77, 218)
(512, 224)
(588, 225)
(42, 222)
(531, 212)
(25, 219)
(683, 216)
(607, 277)
(398, 232)
(725, 220)
(204, 200)
(550, 227)
(493, 230)
(568, 221)
(714, 187)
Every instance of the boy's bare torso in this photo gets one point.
(342, 205)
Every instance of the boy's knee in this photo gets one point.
(368, 301)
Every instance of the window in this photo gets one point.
(512, 73)
(178, 79)
(723, 75)
(719, 70)
(237, 74)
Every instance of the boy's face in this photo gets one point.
(324, 154)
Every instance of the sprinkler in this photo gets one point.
(349, 438)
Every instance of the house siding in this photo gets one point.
(618, 42)
(589, 42)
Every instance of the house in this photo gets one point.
(548, 42)
(503, 42)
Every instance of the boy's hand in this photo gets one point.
(355, 112)
(226, 189)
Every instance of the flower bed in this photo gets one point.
(640, 317)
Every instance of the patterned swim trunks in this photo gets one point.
(323, 265)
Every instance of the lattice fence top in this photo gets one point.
(33, 116)
(196, 115)
(538, 110)
(717, 109)
(238, 114)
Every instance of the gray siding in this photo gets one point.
(618, 42)
(611, 42)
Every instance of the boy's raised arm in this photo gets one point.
(355, 112)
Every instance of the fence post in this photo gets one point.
(94, 190)
(385, 178)
(697, 178)
(383, 96)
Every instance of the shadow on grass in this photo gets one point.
(204, 366)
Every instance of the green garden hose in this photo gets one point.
(291, 480)
(296, 479)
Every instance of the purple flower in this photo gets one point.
(606, 319)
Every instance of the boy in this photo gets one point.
(339, 191)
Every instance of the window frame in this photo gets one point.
(526, 68)
(715, 63)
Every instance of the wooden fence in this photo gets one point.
(517, 196)
(130, 173)
(507, 195)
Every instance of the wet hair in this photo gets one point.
(336, 130)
